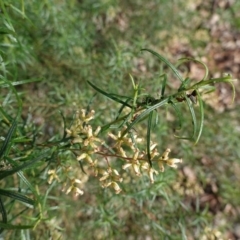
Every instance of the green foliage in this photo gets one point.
(51, 51)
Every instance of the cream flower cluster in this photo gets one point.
(100, 158)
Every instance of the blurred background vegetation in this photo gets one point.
(62, 44)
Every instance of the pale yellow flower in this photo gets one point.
(53, 175)
(105, 175)
(165, 154)
(86, 155)
(160, 165)
(73, 132)
(150, 171)
(92, 137)
(114, 185)
(134, 163)
(122, 141)
(153, 152)
(80, 128)
(74, 188)
(86, 117)
(172, 162)
(110, 177)
(111, 174)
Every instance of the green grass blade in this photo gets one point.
(176, 72)
(19, 12)
(7, 119)
(4, 84)
(17, 196)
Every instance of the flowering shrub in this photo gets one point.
(98, 156)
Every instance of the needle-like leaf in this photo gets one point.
(176, 72)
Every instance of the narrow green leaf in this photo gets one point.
(178, 113)
(64, 125)
(211, 81)
(124, 118)
(17, 196)
(125, 121)
(156, 120)
(121, 109)
(184, 85)
(22, 139)
(3, 213)
(144, 114)
(23, 178)
(184, 138)
(133, 83)
(7, 119)
(10, 226)
(163, 85)
(201, 117)
(149, 128)
(81, 166)
(234, 91)
(19, 101)
(4, 30)
(111, 96)
(29, 185)
(28, 164)
(8, 138)
(19, 12)
(198, 61)
(194, 120)
(176, 72)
